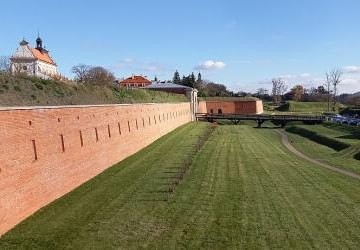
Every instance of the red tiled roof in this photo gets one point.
(135, 80)
(42, 56)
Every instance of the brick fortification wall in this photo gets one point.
(231, 107)
(47, 152)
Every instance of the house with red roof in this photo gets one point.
(33, 61)
(135, 81)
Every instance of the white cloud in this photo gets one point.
(351, 69)
(128, 60)
(152, 67)
(350, 85)
(305, 75)
(210, 65)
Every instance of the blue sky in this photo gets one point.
(242, 44)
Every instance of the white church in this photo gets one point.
(34, 61)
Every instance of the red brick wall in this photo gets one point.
(202, 107)
(47, 152)
(238, 107)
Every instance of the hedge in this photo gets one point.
(321, 139)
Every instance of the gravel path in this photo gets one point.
(287, 144)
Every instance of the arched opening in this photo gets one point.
(219, 111)
(211, 111)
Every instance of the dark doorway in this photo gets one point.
(211, 111)
(219, 111)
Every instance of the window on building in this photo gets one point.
(24, 67)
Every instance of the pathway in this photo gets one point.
(287, 144)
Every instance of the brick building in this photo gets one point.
(231, 106)
(135, 81)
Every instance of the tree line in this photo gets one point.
(87, 74)
(204, 87)
(324, 93)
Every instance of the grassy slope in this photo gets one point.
(30, 91)
(299, 107)
(310, 107)
(245, 190)
(344, 159)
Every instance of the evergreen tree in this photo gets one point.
(199, 80)
(155, 79)
(192, 80)
(176, 78)
(184, 81)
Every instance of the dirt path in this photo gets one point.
(287, 144)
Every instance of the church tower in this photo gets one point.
(39, 43)
(33, 61)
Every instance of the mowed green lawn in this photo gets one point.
(343, 159)
(244, 190)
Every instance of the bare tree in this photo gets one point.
(297, 93)
(279, 89)
(333, 79)
(262, 92)
(81, 72)
(99, 75)
(5, 64)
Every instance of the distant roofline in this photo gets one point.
(132, 80)
(166, 85)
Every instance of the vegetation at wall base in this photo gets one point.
(23, 90)
(253, 194)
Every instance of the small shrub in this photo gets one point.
(59, 93)
(283, 107)
(5, 86)
(45, 82)
(17, 88)
(33, 97)
(39, 86)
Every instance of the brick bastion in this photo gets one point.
(45, 152)
(231, 106)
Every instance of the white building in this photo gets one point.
(33, 61)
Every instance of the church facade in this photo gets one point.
(34, 61)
